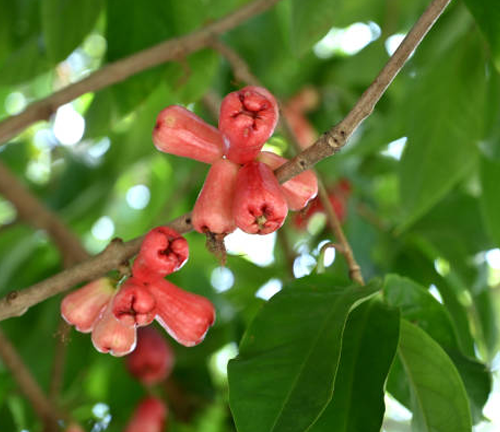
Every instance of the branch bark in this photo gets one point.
(32, 211)
(27, 383)
(122, 69)
(16, 303)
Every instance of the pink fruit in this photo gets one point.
(134, 305)
(153, 359)
(184, 315)
(259, 205)
(162, 252)
(213, 211)
(299, 190)
(110, 335)
(180, 132)
(149, 416)
(247, 120)
(303, 130)
(83, 306)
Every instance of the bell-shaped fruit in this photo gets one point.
(259, 205)
(180, 132)
(134, 304)
(110, 335)
(184, 315)
(149, 416)
(153, 359)
(213, 211)
(162, 252)
(299, 190)
(83, 306)
(247, 120)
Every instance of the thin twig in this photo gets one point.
(242, 72)
(60, 351)
(120, 70)
(32, 211)
(16, 303)
(27, 383)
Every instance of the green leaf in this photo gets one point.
(369, 345)
(65, 24)
(443, 119)
(283, 376)
(487, 15)
(421, 308)
(490, 179)
(439, 400)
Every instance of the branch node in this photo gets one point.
(12, 295)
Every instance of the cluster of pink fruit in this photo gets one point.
(113, 315)
(240, 189)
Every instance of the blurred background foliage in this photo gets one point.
(424, 171)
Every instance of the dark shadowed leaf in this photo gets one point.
(490, 179)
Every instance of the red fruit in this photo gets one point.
(338, 203)
(304, 132)
(149, 416)
(153, 359)
(180, 132)
(162, 252)
(134, 305)
(299, 190)
(247, 120)
(184, 315)
(259, 205)
(83, 306)
(213, 211)
(110, 335)
(304, 100)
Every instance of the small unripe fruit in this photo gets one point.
(162, 252)
(184, 315)
(153, 359)
(134, 305)
(247, 120)
(213, 211)
(259, 205)
(83, 306)
(110, 335)
(149, 416)
(180, 132)
(299, 190)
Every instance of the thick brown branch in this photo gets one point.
(27, 383)
(32, 211)
(122, 69)
(242, 72)
(16, 303)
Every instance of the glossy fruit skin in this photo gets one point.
(180, 132)
(259, 205)
(184, 315)
(299, 190)
(213, 210)
(149, 416)
(83, 306)
(110, 335)
(247, 120)
(153, 359)
(134, 305)
(162, 252)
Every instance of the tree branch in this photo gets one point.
(32, 211)
(122, 69)
(16, 303)
(27, 383)
(242, 72)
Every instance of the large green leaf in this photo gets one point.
(369, 345)
(443, 117)
(65, 24)
(490, 179)
(439, 400)
(487, 16)
(283, 376)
